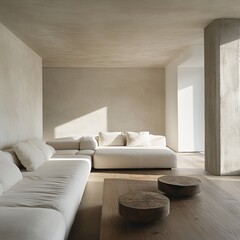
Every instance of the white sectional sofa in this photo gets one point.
(115, 150)
(41, 187)
(39, 204)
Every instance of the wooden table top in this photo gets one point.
(213, 214)
(143, 206)
(179, 186)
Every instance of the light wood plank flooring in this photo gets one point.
(87, 222)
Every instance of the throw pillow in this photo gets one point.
(29, 155)
(12, 155)
(111, 139)
(46, 149)
(140, 139)
(88, 143)
(9, 172)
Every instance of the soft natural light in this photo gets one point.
(90, 123)
(190, 109)
(185, 111)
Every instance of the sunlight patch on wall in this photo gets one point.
(90, 123)
(185, 118)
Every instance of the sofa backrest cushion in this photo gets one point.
(88, 143)
(9, 172)
(111, 139)
(29, 155)
(65, 144)
(138, 139)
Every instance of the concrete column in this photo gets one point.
(222, 97)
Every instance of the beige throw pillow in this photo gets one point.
(46, 149)
(29, 155)
(140, 139)
(111, 139)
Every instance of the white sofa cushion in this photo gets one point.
(111, 139)
(88, 143)
(46, 149)
(56, 185)
(9, 172)
(69, 143)
(31, 224)
(134, 157)
(29, 155)
(65, 152)
(11, 153)
(140, 139)
(76, 157)
(86, 152)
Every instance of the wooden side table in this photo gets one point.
(179, 186)
(143, 206)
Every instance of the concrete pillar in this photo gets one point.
(222, 97)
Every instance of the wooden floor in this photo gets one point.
(87, 222)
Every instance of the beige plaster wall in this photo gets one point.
(20, 90)
(88, 100)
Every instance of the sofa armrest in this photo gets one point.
(88, 143)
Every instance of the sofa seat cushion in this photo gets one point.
(75, 157)
(57, 185)
(66, 152)
(86, 152)
(134, 157)
(31, 223)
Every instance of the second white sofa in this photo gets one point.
(110, 151)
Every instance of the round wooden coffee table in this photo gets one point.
(179, 186)
(143, 206)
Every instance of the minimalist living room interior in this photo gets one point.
(101, 98)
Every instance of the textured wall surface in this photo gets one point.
(82, 101)
(222, 99)
(20, 90)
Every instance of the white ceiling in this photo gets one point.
(112, 33)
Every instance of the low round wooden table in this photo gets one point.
(143, 206)
(179, 186)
